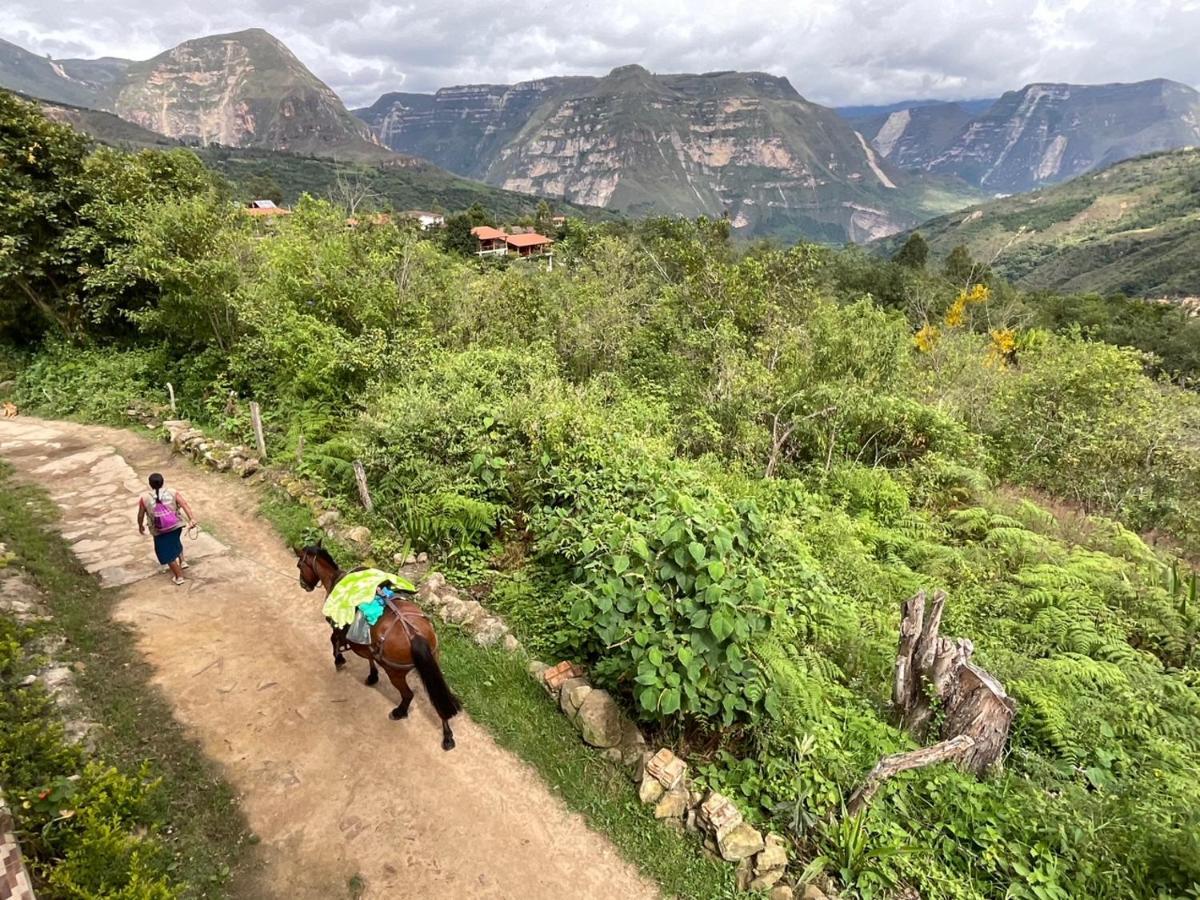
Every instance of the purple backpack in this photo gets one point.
(164, 517)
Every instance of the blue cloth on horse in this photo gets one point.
(372, 611)
(168, 546)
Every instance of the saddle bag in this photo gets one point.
(359, 631)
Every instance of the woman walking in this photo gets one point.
(162, 507)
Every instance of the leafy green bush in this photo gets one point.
(92, 384)
(87, 830)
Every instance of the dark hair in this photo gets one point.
(156, 482)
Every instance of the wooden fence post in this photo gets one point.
(360, 476)
(171, 393)
(256, 420)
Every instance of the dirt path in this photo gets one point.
(300, 743)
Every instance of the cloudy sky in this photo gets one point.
(834, 51)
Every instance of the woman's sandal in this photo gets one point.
(177, 581)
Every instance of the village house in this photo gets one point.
(492, 241)
(424, 218)
(265, 209)
(529, 244)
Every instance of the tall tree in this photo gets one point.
(960, 268)
(914, 253)
(41, 191)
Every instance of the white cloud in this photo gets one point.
(854, 51)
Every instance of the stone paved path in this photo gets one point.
(333, 788)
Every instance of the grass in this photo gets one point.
(499, 694)
(206, 832)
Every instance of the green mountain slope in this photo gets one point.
(104, 127)
(1132, 228)
(33, 75)
(404, 183)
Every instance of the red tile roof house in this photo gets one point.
(531, 244)
(491, 240)
(261, 208)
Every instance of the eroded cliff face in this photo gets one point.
(240, 90)
(1047, 133)
(744, 145)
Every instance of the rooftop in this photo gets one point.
(488, 233)
(533, 239)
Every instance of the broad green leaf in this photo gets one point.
(670, 701)
(697, 550)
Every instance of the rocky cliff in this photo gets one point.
(910, 138)
(243, 90)
(746, 145)
(1041, 134)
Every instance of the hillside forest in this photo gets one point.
(711, 473)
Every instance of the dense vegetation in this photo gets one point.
(712, 475)
(1132, 228)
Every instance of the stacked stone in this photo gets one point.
(215, 454)
(486, 630)
(663, 783)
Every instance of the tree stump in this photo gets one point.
(935, 674)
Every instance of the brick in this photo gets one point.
(555, 676)
(667, 768)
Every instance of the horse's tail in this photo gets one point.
(443, 699)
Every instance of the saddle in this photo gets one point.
(359, 631)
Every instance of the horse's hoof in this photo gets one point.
(339, 661)
(448, 743)
(398, 713)
(373, 678)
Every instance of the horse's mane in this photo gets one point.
(321, 553)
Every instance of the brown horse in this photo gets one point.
(402, 640)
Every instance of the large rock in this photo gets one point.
(463, 612)
(327, 518)
(359, 534)
(783, 892)
(764, 880)
(489, 631)
(599, 720)
(572, 695)
(774, 856)
(718, 815)
(673, 804)
(740, 842)
(535, 669)
(650, 791)
(811, 892)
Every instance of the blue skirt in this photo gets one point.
(168, 547)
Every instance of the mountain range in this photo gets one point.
(746, 145)
(742, 144)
